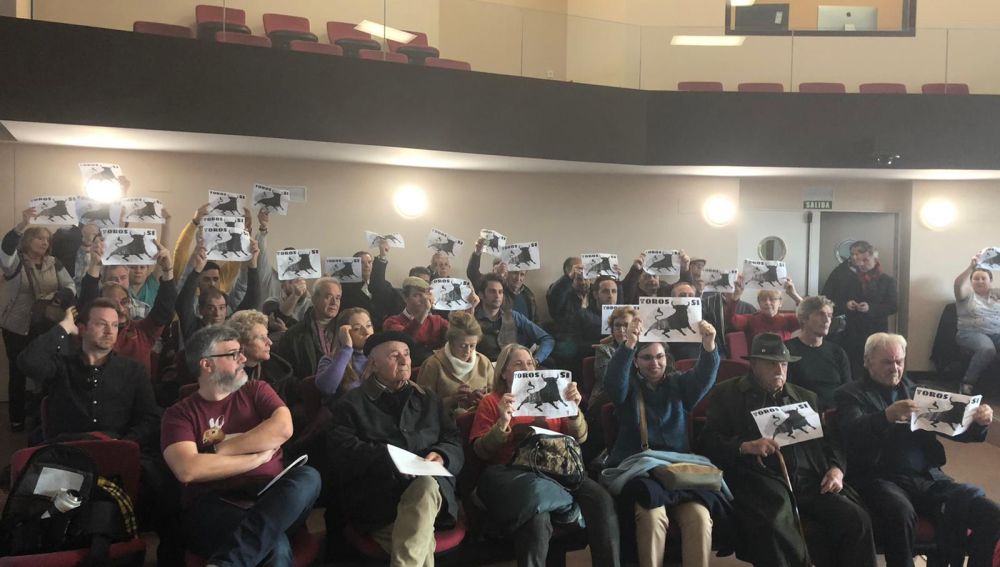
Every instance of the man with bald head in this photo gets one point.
(898, 471)
(313, 337)
(399, 511)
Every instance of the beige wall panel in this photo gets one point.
(974, 58)
(599, 52)
(544, 45)
(958, 14)
(484, 34)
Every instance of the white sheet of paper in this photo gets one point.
(943, 412)
(542, 393)
(671, 319)
(789, 424)
(599, 264)
(440, 241)
(142, 210)
(129, 246)
(494, 241)
(103, 215)
(662, 262)
(521, 257)
(88, 170)
(271, 198)
(542, 431)
(451, 294)
(54, 210)
(230, 244)
(215, 221)
(300, 461)
(606, 311)
(301, 263)
(759, 274)
(989, 258)
(347, 269)
(394, 239)
(51, 481)
(722, 281)
(226, 204)
(415, 465)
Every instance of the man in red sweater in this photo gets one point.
(425, 328)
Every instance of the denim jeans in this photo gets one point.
(984, 349)
(230, 535)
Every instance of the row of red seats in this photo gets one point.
(834, 88)
(228, 25)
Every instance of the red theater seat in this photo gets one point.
(282, 30)
(156, 28)
(945, 88)
(417, 50)
(377, 55)
(700, 86)
(305, 549)
(760, 88)
(822, 88)
(242, 39)
(882, 88)
(311, 47)
(447, 64)
(213, 19)
(349, 39)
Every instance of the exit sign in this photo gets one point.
(827, 205)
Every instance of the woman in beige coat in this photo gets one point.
(458, 374)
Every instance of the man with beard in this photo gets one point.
(313, 337)
(823, 366)
(502, 325)
(212, 303)
(223, 443)
(520, 296)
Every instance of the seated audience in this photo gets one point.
(223, 443)
(502, 325)
(440, 266)
(767, 319)
(398, 511)
(425, 328)
(639, 283)
(767, 503)
(978, 306)
(313, 337)
(823, 366)
(557, 291)
(520, 296)
(458, 374)
(341, 371)
(373, 294)
(420, 272)
(580, 327)
(224, 276)
(261, 363)
(213, 304)
(494, 441)
(652, 401)
(711, 311)
(898, 471)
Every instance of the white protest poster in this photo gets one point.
(606, 311)
(542, 393)
(215, 221)
(301, 263)
(989, 258)
(722, 281)
(599, 264)
(789, 424)
(347, 269)
(672, 319)
(54, 210)
(415, 465)
(521, 257)
(230, 244)
(440, 241)
(99, 173)
(271, 198)
(760, 274)
(662, 262)
(90, 211)
(142, 210)
(129, 246)
(450, 294)
(394, 239)
(943, 412)
(493, 241)
(225, 204)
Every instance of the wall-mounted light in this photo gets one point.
(381, 30)
(708, 40)
(741, 2)
(103, 186)
(718, 210)
(410, 201)
(938, 214)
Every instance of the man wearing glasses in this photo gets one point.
(224, 444)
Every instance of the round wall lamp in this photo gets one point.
(103, 186)
(718, 210)
(938, 214)
(410, 201)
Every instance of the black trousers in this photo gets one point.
(840, 532)
(16, 388)
(894, 505)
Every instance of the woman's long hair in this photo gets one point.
(500, 386)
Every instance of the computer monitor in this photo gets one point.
(761, 18)
(847, 18)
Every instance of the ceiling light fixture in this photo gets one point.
(381, 30)
(737, 3)
(718, 211)
(410, 201)
(938, 214)
(709, 40)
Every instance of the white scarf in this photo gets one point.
(463, 369)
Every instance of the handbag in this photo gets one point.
(46, 312)
(556, 456)
(677, 476)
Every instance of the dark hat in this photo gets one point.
(766, 346)
(385, 337)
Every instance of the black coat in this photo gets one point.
(384, 300)
(366, 484)
(843, 285)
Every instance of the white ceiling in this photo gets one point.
(187, 142)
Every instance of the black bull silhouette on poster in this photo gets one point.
(136, 247)
(990, 257)
(101, 213)
(272, 201)
(299, 267)
(549, 394)
(493, 242)
(452, 296)
(951, 417)
(343, 270)
(666, 262)
(602, 266)
(523, 257)
(230, 205)
(677, 321)
(446, 246)
(56, 210)
(767, 276)
(721, 281)
(145, 210)
(232, 246)
(793, 422)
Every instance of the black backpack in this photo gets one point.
(31, 524)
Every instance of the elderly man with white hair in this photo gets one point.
(898, 471)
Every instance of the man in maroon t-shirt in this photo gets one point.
(224, 444)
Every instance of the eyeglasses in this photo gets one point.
(235, 355)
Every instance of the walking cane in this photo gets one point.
(791, 493)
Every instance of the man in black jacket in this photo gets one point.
(399, 511)
(373, 294)
(898, 471)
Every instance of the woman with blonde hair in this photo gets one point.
(34, 279)
(458, 374)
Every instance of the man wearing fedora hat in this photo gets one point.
(398, 511)
(770, 506)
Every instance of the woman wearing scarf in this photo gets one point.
(32, 275)
(458, 374)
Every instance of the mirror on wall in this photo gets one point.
(843, 250)
(772, 248)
